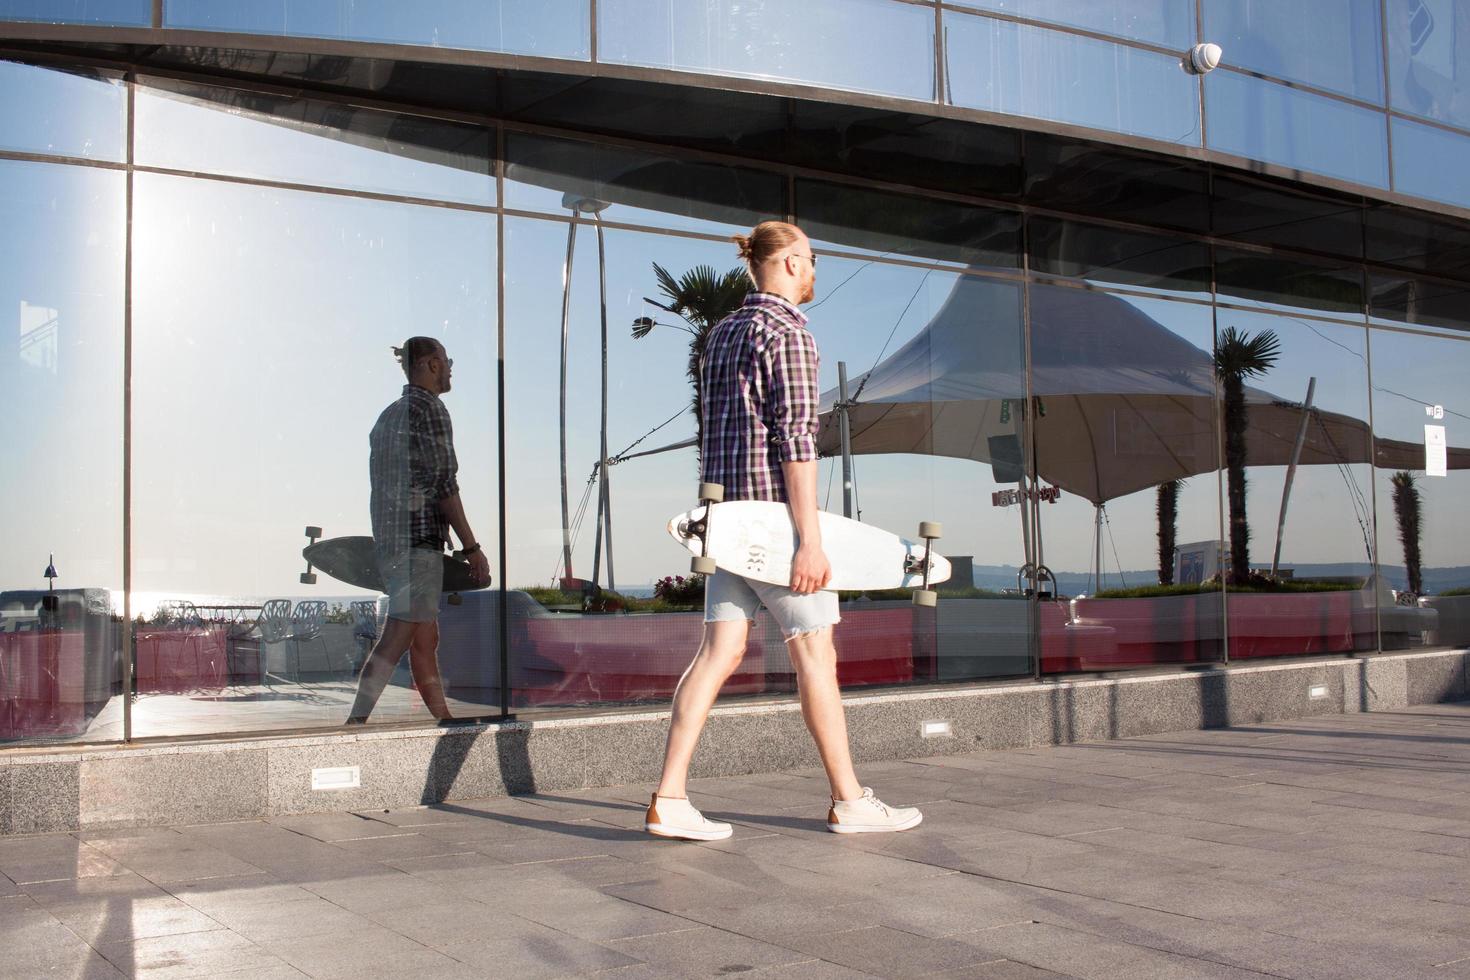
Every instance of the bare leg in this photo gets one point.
(719, 654)
(815, 659)
(378, 667)
(423, 661)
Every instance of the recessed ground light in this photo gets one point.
(339, 777)
(1317, 691)
(934, 729)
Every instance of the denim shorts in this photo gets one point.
(414, 580)
(729, 597)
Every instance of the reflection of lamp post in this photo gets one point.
(585, 205)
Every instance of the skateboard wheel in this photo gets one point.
(926, 597)
(308, 578)
(700, 565)
(313, 532)
(455, 599)
(713, 492)
(931, 529)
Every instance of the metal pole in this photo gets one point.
(566, 312)
(844, 430)
(605, 506)
(1296, 454)
(1097, 535)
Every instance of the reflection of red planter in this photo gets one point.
(1153, 630)
(1265, 624)
(179, 661)
(42, 683)
(569, 659)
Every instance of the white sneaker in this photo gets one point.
(676, 817)
(870, 815)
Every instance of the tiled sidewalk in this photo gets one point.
(1331, 848)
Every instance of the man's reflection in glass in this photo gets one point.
(415, 502)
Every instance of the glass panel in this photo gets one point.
(1330, 44)
(61, 280)
(1099, 254)
(1425, 45)
(894, 224)
(263, 326)
(70, 113)
(1113, 182)
(547, 28)
(1318, 597)
(1420, 302)
(246, 134)
(631, 641)
(621, 644)
(1418, 240)
(1430, 162)
(1249, 210)
(551, 175)
(903, 148)
(1125, 411)
(1000, 66)
(1169, 22)
(1277, 281)
(935, 363)
(1266, 121)
(1419, 382)
(125, 13)
(860, 45)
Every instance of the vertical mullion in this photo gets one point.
(941, 95)
(500, 407)
(1387, 114)
(130, 80)
(592, 35)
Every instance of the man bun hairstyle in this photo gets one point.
(765, 241)
(415, 349)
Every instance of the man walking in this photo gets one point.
(758, 397)
(415, 501)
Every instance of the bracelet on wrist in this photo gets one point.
(466, 552)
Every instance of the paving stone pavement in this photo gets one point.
(1322, 849)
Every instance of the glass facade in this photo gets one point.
(547, 28)
(1169, 412)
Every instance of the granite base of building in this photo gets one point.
(243, 778)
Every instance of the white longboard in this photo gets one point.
(756, 539)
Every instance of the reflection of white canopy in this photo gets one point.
(1123, 403)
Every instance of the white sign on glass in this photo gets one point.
(1436, 459)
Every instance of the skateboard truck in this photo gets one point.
(930, 531)
(709, 495)
(308, 577)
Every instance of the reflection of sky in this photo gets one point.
(178, 132)
(60, 482)
(46, 111)
(262, 323)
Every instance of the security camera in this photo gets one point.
(1203, 58)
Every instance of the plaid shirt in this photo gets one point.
(758, 398)
(412, 467)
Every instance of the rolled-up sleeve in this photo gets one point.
(793, 363)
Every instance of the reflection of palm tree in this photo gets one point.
(1406, 510)
(1237, 357)
(1168, 508)
(701, 298)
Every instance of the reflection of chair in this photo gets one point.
(364, 627)
(306, 627)
(274, 627)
